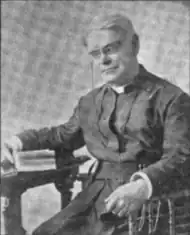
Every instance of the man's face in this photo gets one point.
(112, 53)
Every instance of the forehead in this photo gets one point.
(101, 38)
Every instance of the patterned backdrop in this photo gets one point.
(44, 69)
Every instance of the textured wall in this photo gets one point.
(45, 70)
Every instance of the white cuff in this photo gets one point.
(138, 175)
(16, 141)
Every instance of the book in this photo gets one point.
(35, 161)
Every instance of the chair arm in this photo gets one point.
(178, 213)
(14, 185)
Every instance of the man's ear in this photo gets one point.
(135, 44)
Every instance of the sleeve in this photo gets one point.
(175, 160)
(68, 135)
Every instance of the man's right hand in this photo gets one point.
(9, 150)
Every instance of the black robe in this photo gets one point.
(148, 124)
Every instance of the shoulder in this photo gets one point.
(89, 97)
(165, 89)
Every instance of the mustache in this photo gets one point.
(104, 69)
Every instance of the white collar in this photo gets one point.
(118, 89)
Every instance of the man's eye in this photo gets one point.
(95, 54)
(114, 47)
(109, 49)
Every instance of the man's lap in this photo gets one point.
(82, 217)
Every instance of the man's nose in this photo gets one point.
(105, 60)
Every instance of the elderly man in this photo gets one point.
(135, 118)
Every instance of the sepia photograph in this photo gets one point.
(95, 117)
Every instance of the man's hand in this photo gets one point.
(8, 153)
(128, 198)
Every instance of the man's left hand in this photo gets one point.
(128, 198)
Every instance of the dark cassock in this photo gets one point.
(146, 124)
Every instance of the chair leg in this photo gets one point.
(65, 199)
(11, 217)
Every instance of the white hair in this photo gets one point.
(108, 21)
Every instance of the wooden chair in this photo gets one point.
(60, 173)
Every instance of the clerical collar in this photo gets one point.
(121, 89)
(118, 89)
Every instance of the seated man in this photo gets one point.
(134, 119)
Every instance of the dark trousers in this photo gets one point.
(83, 217)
